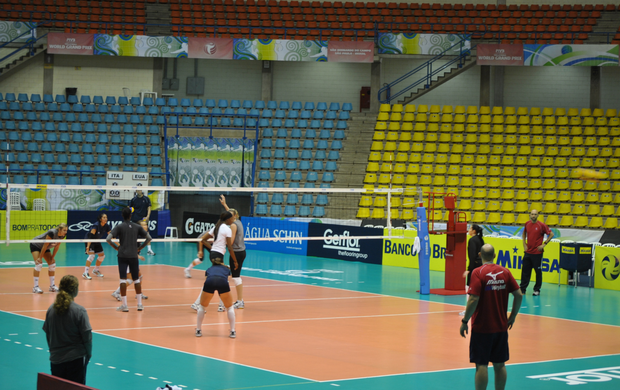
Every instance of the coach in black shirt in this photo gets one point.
(141, 207)
(128, 233)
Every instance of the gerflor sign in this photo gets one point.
(342, 242)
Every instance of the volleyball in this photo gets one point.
(610, 267)
(588, 174)
(132, 210)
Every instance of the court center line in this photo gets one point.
(281, 320)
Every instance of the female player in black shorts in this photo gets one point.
(217, 274)
(99, 229)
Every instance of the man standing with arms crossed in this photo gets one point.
(534, 245)
(489, 288)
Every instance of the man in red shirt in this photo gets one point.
(489, 288)
(534, 245)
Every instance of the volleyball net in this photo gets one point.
(275, 214)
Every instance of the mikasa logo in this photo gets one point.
(334, 241)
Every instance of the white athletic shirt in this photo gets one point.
(219, 243)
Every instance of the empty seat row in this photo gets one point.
(289, 211)
(51, 127)
(282, 143)
(292, 199)
(62, 180)
(297, 133)
(496, 110)
(63, 158)
(306, 154)
(310, 176)
(292, 165)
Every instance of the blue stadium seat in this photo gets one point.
(265, 153)
(128, 160)
(22, 97)
(319, 211)
(87, 181)
(347, 107)
(235, 104)
(22, 157)
(154, 140)
(210, 103)
(142, 160)
(279, 153)
(73, 181)
(315, 124)
(71, 169)
(85, 99)
(157, 182)
(321, 106)
(325, 134)
(70, 117)
(276, 123)
(97, 99)
(39, 137)
(312, 176)
(90, 138)
(317, 165)
(280, 114)
(114, 149)
(262, 198)
(47, 98)
(33, 147)
(292, 154)
(222, 103)
(59, 180)
(100, 181)
(115, 160)
(141, 168)
(320, 155)
(278, 164)
(267, 132)
(28, 169)
(62, 159)
(60, 99)
(341, 125)
(27, 107)
(76, 159)
(247, 104)
(289, 211)
(141, 150)
(275, 210)
(318, 115)
(330, 115)
(260, 105)
(330, 166)
(339, 134)
(294, 144)
(321, 144)
(280, 176)
(18, 179)
(344, 115)
(72, 99)
(88, 158)
(264, 175)
(264, 164)
(122, 118)
(77, 107)
(103, 109)
(123, 101)
(102, 159)
(336, 145)
(49, 158)
(39, 107)
(128, 139)
(45, 179)
(115, 109)
(333, 155)
(328, 177)
(277, 198)
(45, 117)
(19, 146)
(127, 149)
(308, 144)
(291, 165)
(35, 98)
(304, 211)
(148, 102)
(296, 176)
(160, 102)
(328, 124)
(115, 138)
(261, 209)
(309, 106)
(65, 107)
(293, 114)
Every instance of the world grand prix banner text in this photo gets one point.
(404, 43)
(399, 252)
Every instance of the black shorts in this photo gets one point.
(95, 247)
(240, 256)
(35, 249)
(134, 267)
(488, 347)
(216, 283)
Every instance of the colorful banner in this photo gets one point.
(607, 268)
(11, 30)
(280, 50)
(26, 225)
(210, 162)
(77, 44)
(212, 48)
(140, 46)
(80, 221)
(353, 51)
(570, 55)
(284, 234)
(399, 252)
(405, 43)
(499, 54)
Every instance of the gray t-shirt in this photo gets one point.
(238, 243)
(69, 335)
(128, 234)
(52, 233)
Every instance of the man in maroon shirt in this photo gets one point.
(534, 245)
(489, 288)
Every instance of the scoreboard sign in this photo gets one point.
(129, 179)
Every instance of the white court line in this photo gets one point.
(282, 320)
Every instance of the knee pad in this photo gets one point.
(123, 281)
(90, 258)
(38, 267)
(51, 267)
(237, 281)
(136, 281)
(101, 258)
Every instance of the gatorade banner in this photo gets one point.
(607, 268)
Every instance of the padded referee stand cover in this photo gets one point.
(424, 257)
(49, 382)
(576, 256)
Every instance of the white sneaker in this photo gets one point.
(194, 306)
(53, 288)
(188, 273)
(462, 314)
(150, 253)
(117, 296)
(143, 297)
(97, 273)
(122, 308)
(86, 276)
(198, 333)
(233, 334)
(140, 307)
(37, 290)
(221, 307)
(239, 305)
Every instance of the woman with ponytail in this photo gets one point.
(217, 274)
(473, 254)
(69, 334)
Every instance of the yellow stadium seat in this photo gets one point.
(387, 156)
(410, 108)
(601, 121)
(611, 223)
(594, 209)
(535, 184)
(381, 126)
(403, 146)
(493, 206)
(378, 136)
(593, 152)
(404, 136)
(421, 117)
(472, 119)
(508, 194)
(497, 139)
(522, 207)
(397, 108)
(401, 157)
(460, 118)
(468, 193)
(446, 118)
(472, 110)
(394, 214)
(480, 170)
(579, 209)
(420, 127)
(374, 156)
(400, 168)
(536, 120)
(428, 158)
(523, 195)
(522, 219)
(606, 211)
(389, 146)
(480, 182)
(562, 121)
(409, 117)
(578, 197)
(386, 167)
(507, 207)
(480, 193)
(372, 167)
(590, 185)
(604, 186)
(507, 160)
(363, 212)
(391, 136)
(567, 221)
(481, 159)
(497, 149)
(550, 208)
(551, 220)
(576, 185)
(508, 219)
(394, 126)
(434, 118)
(550, 131)
(564, 196)
(493, 218)
(598, 112)
(370, 178)
(385, 108)
(365, 201)
(510, 120)
(415, 157)
(467, 170)
(479, 217)
(379, 201)
(585, 112)
(595, 223)
(592, 197)
(383, 117)
(498, 120)
(508, 182)
(575, 121)
(435, 109)
(485, 119)
(378, 214)
(383, 178)
(464, 204)
(457, 148)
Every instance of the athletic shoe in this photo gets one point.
(53, 288)
(97, 273)
(194, 306)
(536, 293)
(117, 296)
(239, 305)
(86, 276)
(151, 253)
(462, 314)
(198, 333)
(37, 290)
(233, 334)
(188, 273)
(143, 297)
(140, 307)
(221, 308)
(122, 308)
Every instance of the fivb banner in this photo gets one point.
(399, 252)
(499, 54)
(211, 48)
(404, 43)
(194, 224)
(338, 244)
(284, 235)
(80, 222)
(607, 268)
(76, 44)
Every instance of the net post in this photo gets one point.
(8, 213)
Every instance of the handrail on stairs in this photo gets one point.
(427, 67)
(33, 39)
